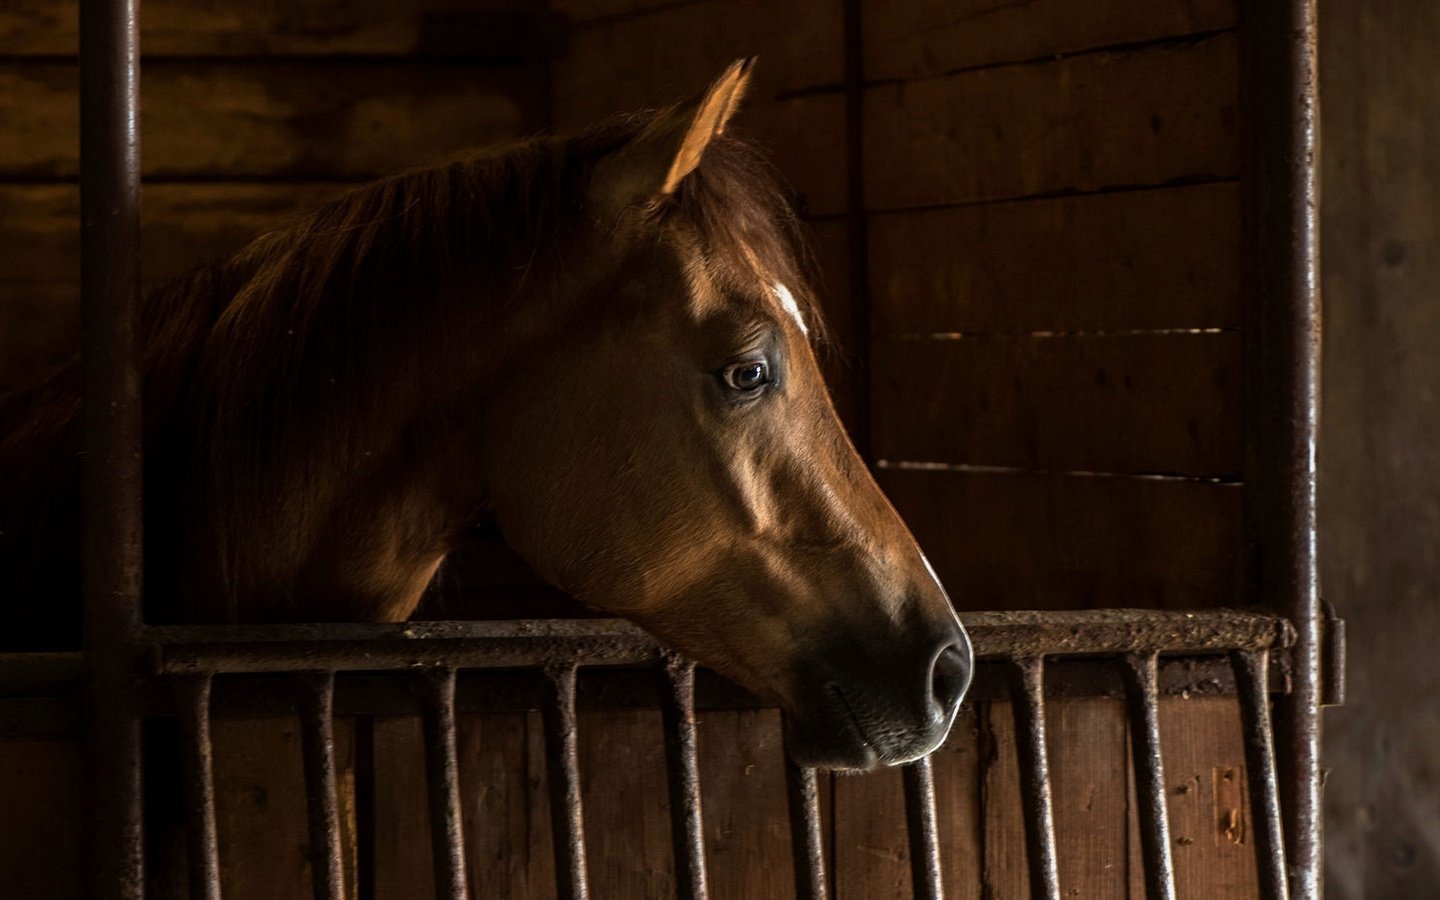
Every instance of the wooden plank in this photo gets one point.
(931, 37)
(872, 850)
(1166, 258)
(343, 119)
(40, 793)
(39, 329)
(184, 225)
(1027, 541)
(1089, 764)
(584, 11)
(1210, 817)
(805, 138)
(1004, 874)
(1082, 123)
(188, 28)
(674, 51)
(957, 803)
(627, 811)
(845, 332)
(260, 805)
(506, 809)
(1136, 403)
(747, 819)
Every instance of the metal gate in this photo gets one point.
(131, 671)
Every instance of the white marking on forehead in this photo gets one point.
(787, 300)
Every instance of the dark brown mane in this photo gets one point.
(300, 337)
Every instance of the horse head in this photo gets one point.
(665, 449)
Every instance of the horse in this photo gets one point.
(602, 346)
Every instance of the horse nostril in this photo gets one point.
(950, 677)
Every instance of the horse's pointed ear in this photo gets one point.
(654, 163)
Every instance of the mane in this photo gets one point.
(287, 341)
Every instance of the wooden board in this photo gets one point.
(1083, 123)
(189, 28)
(627, 809)
(747, 821)
(1210, 817)
(342, 119)
(670, 52)
(43, 818)
(1135, 403)
(1027, 541)
(1166, 258)
(931, 37)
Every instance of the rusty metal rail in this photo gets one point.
(536, 665)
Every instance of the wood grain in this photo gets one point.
(1166, 258)
(285, 119)
(872, 850)
(931, 37)
(1083, 123)
(669, 53)
(43, 819)
(1134, 403)
(506, 808)
(627, 809)
(1210, 815)
(1093, 798)
(747, 819)
(1026, 541)
(1004, 874)
(187, 28)
(957, 802)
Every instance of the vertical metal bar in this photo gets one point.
(192, 694)
(923, 825)
(317, 740)
(807, 838)
(1142, 697)
(1282, 375)
(111, 469)
(683, 770)
(442, 777)
(567, 814)
(1029, 706)
(1252, 686)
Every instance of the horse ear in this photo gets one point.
(654, 163)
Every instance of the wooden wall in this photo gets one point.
(1029, 229)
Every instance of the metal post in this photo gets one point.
(110, 289)
(1282, 371)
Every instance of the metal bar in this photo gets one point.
(111, 468)
(807, 837)
(567, 814)
(677, 707)
(1141, 671)
(192, 697)
(254, 649)
(924, 828)
(1250, 679)
(316, 695)
(1029, 707)
(1282, 374)
(442, 777)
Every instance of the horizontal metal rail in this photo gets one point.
(1026, 658)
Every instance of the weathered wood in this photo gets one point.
(473, 28)
(666, 54)
(1092, 797)
(1210, 815)
(1027, 541)
(957, 799)
(40, 828)
(581, 12)
(503, 795)
(1083, 123)
(343, 119)
(747, 819)
(260, 806)
(872, 851)
(846, 333)
(931, 37)
(39, 329)
(1004, 872)
(1137, 403)
(1166, 258)
(627, 813)
(805, 137)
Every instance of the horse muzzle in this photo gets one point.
(858, 709)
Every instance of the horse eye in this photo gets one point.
(748, 377)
